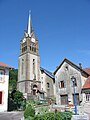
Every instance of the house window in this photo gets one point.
(62, 84)
(0, 97)
(2, 72)
(87, 96)
(74, 82)
(66, 68)
(48, 85)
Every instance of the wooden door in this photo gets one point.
(64, 99)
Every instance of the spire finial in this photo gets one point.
(30, 12)
(29, 24)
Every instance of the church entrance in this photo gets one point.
(34, 89)
(34, 92)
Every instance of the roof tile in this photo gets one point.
(87, 84)
(87, 70)
(5, 65)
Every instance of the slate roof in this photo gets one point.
(72, 64)
(48, 73)
(5, 65)
(87, 84)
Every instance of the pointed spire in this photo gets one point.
(29, 29)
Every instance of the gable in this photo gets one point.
(74, 66)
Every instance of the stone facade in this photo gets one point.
(64, 84)
(29, 72)
(47, 83)
(29, 64)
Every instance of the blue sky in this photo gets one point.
(61, 26)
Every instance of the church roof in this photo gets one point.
(5, 65)
(48, 73)
(87, 84)
(72, 64)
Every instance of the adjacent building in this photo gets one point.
(86, 87)
(4, 82)
(64, 84)
(47, 84)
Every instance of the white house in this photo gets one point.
(4, 80)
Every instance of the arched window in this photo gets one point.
(48, 85)
(34, 66)
(22, 66)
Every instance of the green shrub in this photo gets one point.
(28, 118)
(29, 111)
(42, 110)
(16, 101)
(54, 116)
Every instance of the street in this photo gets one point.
(11, 115)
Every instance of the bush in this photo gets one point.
(11, 105)
(42, 110)
(16, 101)
(54, 116)
(29, 111)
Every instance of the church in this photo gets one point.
(33, 80)
(38, 83)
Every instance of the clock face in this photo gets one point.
(33, 40)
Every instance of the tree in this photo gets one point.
(13, 77)
(16, 101)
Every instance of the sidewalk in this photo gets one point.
(11, 115)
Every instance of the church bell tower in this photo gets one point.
(29, 63)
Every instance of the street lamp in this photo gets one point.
(75, 103)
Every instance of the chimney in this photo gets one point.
(80, 65)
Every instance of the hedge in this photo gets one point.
(54, 116)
